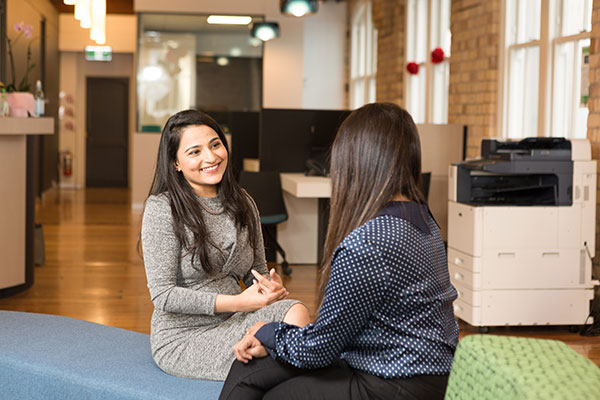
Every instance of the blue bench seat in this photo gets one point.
(53, 357)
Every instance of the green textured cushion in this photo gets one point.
(504, 367)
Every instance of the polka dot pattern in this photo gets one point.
(388, 304)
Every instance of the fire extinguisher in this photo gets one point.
(67, 163)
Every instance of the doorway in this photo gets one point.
(107, 137)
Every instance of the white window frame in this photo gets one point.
(424, 109)
(363, 56)
(550, 38)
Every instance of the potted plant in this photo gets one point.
(19, 97)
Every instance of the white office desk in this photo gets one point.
(298, 236)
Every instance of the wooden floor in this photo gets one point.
(93, 271)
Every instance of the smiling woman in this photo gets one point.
(200, 237)
(202, 159)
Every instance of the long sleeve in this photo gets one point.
(162, 252)
(357, 284)
(259, 263)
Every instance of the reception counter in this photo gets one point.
(17, 202)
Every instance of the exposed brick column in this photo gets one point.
(593, 131)
(473, 92)
(389, 18)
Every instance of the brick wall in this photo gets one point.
(593, 132)
(473, 92)
(389, 18)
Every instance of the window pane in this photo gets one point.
(416, 95)
(576, 16)
(420, 33)
(569, 118)
(411, 18)
(355, 59)
(361, 48)
(523, 20)
(523, 92)
(358, 93)
(439, 100)
(372, 91)
(445, 34)
(440, 25)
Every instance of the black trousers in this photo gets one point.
(265, 378)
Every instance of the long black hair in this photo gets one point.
(185, 207)
(376, 155)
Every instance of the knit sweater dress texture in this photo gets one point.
(187, 337)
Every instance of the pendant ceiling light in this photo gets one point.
(299, 8)
(265, 30)
(91, 14)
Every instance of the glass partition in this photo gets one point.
(185, 62)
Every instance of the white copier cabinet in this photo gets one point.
(525, 265)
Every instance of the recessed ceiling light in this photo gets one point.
(229, 19)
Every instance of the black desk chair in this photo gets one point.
(265, 189)
(425, 182)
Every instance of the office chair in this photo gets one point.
(265, 189)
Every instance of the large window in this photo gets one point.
(427, 29)
(363, 64)
(546, 41)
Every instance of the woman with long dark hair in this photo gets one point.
(386, 328)
(200, 236)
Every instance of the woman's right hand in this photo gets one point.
(255, 298)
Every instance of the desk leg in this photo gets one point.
(323, 223)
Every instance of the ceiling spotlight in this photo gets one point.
(299, 8)
(222, 61)
(265, 30)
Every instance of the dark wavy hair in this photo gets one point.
(185, 208)
(375, 156)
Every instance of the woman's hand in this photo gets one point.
(269, 286)
(250, 347)
(262, 293)
(255, 298)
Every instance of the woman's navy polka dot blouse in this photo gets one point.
(387, 309)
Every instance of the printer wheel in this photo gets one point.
(484, 329)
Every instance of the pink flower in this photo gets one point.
(20, 26)
(28, 31)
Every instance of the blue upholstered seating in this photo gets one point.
(52, 357)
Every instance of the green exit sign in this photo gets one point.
(98, 53)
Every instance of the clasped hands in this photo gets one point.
(250, 347)
(263, 291)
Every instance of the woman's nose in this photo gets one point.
(210, 156)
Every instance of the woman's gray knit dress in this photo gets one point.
(188, 339)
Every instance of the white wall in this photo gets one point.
(121, 34)
(324, 51)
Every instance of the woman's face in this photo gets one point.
(202, 159)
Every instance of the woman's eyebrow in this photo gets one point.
(191, 147)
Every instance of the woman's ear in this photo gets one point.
(176, 164)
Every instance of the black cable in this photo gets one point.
(594, 328)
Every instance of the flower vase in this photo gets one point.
(21, 104)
